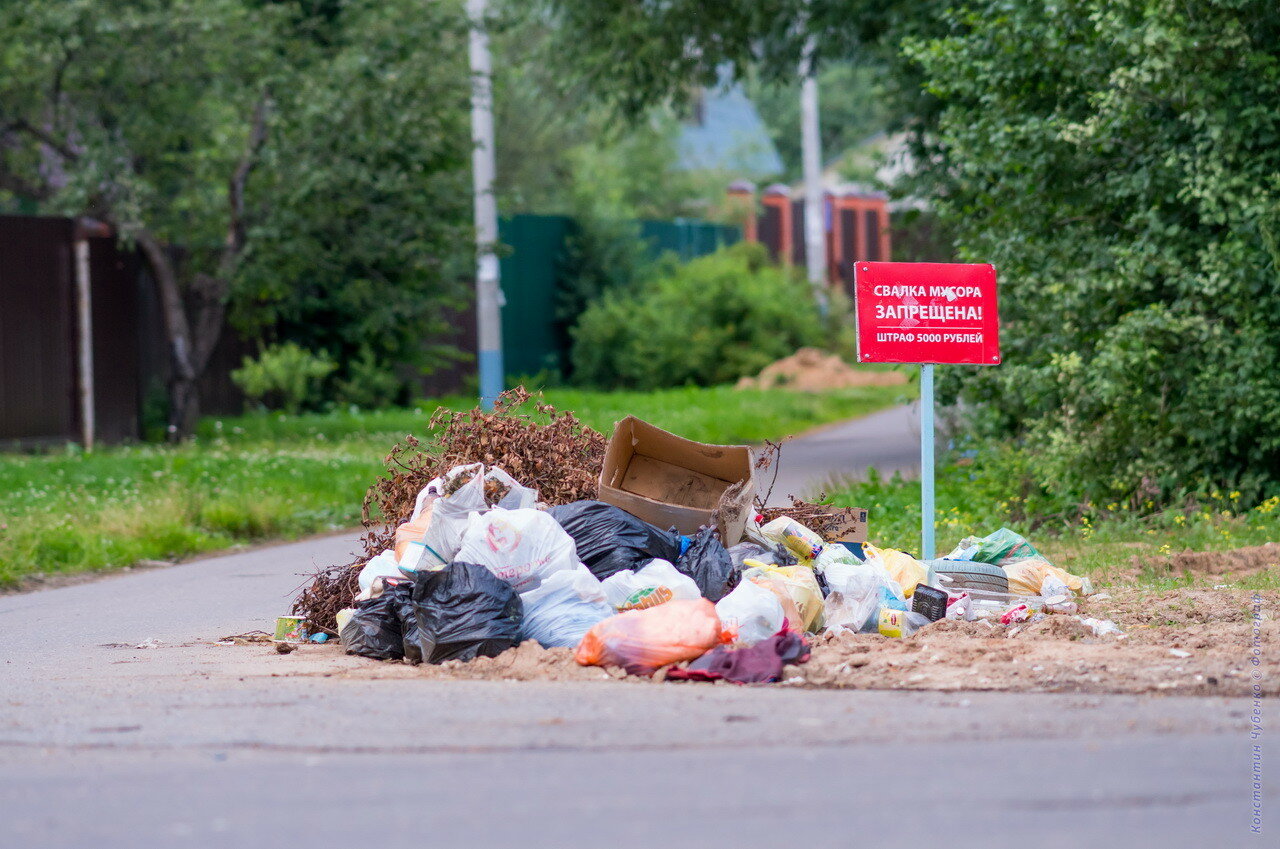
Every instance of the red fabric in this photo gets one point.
(756, 664)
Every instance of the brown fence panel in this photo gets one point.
(37, 331)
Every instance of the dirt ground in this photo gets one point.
(814, 370)
(1180, 642)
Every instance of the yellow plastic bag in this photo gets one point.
(902, 567)
(800, 583)
(1026, 576)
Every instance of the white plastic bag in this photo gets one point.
(450, 513)
(857, 591)
(382, 566)
(752, 611)
(563, 608)
(522, 547)
(625, 588)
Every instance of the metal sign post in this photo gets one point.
(926, 462)
(927, 313)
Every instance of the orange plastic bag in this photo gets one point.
(640, 641)
(412, 531)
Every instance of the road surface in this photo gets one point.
(186, 743)
(888, 441)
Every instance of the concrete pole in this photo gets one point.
(489, 297)
(815, 236)
(84, 315)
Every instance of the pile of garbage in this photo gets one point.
(689, 578)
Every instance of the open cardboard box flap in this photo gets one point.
(668, 480)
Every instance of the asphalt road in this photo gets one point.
(888, 441)
(187, 743)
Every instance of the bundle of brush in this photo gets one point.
(823, 519)
(525, 437)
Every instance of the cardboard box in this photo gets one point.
(668, 480)
(851, 525)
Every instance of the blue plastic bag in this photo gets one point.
(564, 607)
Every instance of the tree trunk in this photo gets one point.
(191, 347)
(183, 393)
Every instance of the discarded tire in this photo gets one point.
(968, 575)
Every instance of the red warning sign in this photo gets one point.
(927, 312)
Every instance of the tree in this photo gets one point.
(150, 116)
(1117, 161)
(359, 243)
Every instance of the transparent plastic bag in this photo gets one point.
(752, 612)
(801, 584)
(564, 607)
(858, 591)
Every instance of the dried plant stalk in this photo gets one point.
(551, 451)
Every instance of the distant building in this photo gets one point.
(726, 134)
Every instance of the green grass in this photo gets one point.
(260, 477)
(1099, 541)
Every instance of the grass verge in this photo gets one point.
(261, 477)
(1109, 545)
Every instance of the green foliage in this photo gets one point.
(155, 96)
(284, 377)
(853, 107)
(281, 476)
(995, 487)
(1117, 161)
(709, 321)
(359, 247)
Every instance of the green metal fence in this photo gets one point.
(532, 264)
(688, 238)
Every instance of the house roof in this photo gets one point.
(727, 135)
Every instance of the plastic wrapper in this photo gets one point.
(795, 537)
(708, 562)
(752, 612)
(999, 549)
(464, 611)
(1027, 577)
(641, 641)
(522, 547)
(563, 608)
(627, 590)
(904, 568)
(611, 540)
(858, 591)
(801, 584)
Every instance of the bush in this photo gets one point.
(284, 376)
(709, 321)
(1115, 159)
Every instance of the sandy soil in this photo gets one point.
(814, 370)
(1183, 642)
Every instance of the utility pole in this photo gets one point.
(489, 297)
(815, 235)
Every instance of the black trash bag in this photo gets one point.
(609, 539)
(374, 629)
(710, 565)
(462, 612)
